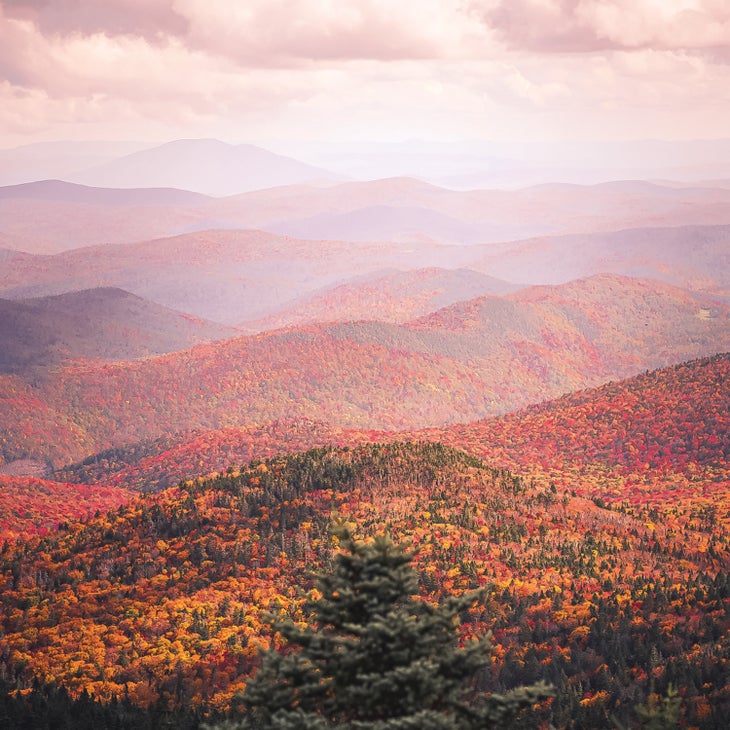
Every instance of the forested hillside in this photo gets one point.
(664, 429)
(663, 436)
(100, 325)
(165, 597)
(483, 357)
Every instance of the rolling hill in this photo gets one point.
(166, 598)
(98, 324)
(666, 426)
(391, 296)
(154, 465)
(389, 223)
(48, 226)
(238, 276)
(660, 435)
(694, 257)
(66, 192)
(484, 357)
(30, 506)
(405, 208)
(224, 276)
(393, 208)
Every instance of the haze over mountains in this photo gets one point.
(236, 277)
(485, 356)
(197, 307)
(465, 165)
(403, 304)
(199, 165)
(51, 216)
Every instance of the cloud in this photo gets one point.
(263, 33)
(590, 26)
(141, 69)
(149, 19)
(280, 32)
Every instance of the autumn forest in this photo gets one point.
(527, 391)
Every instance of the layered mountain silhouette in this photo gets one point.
(204, 166)
(486, 356)
(49, 216)
(241, 276)
(95, 324)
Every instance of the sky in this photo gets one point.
(347, 70)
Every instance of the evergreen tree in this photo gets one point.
(377, 657)
(661, 713)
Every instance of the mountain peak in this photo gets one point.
(206, 166)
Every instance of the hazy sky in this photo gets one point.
(262, 70)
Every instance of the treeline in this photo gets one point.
(50, 707)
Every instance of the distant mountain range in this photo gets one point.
(49, 160)
(200, 165)
(51, 216)
(64, 192)
(461, 165)
(264, 280)
(204, 166)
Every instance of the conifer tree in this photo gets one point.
(377, 657)
(660, 712)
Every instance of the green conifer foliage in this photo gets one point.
(376, 657)
(661, 713)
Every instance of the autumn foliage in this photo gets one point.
(164, 599)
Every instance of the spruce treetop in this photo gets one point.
(375, 656)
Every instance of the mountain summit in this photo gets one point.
(203, 166)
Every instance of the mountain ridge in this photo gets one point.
(105, 323)
(204, 166)
(469, 360)
(63, 191)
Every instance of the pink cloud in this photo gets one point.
(290, 32)
(590, 26)
(282, 68)
(266, 33)
(149, 19)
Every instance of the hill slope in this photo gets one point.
(393, 296)
(30, 506)
(234, 276)
(166, 597)
(660, 435)
(667, 426)
(695, 257)
(151, 466)
(51, 216)
(403, 207)
(99, 324)
(225, 276)
(483, 357)
(60, 191)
